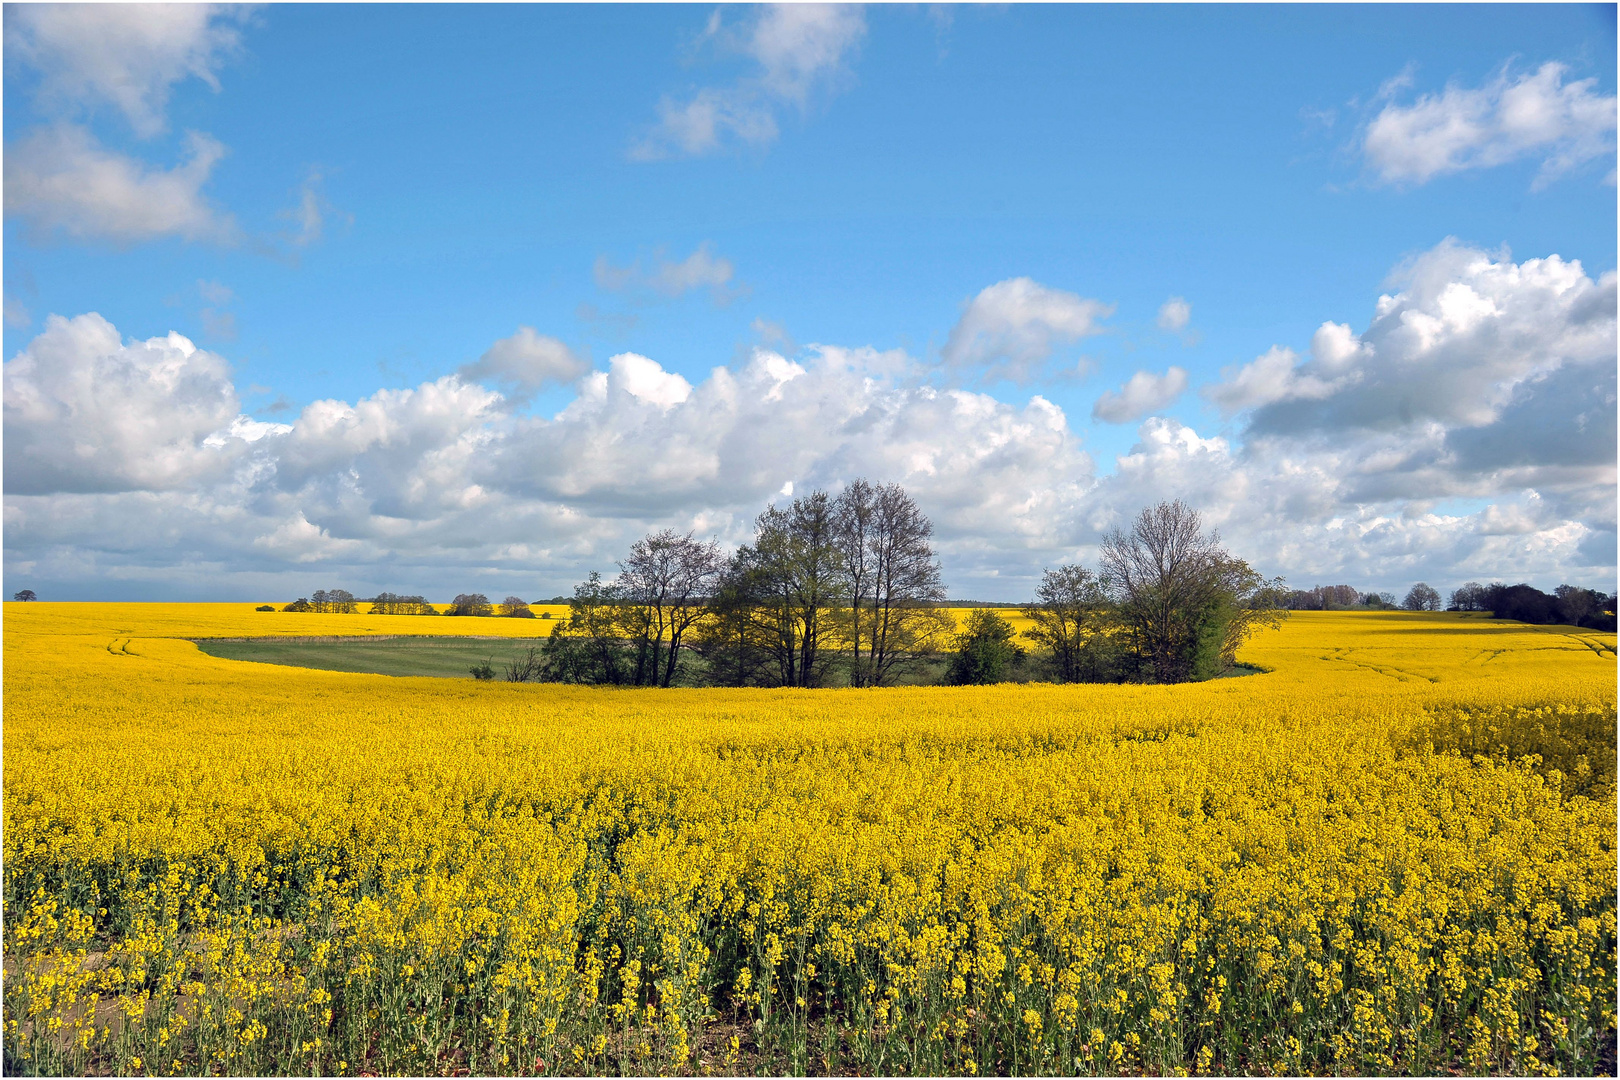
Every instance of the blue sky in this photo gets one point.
(355, 205)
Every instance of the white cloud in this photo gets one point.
(1466, 330)
(1532, 115)
(397, 454)
(1466, 431)
(796, 49)
(86, 411)
(669, 278)
(125, 55)
(1272, 376)
(1142, 393)
(308, 217)
(525, 362)
(1011, 327)
(800, 45)
(60, 178)
(1174, 314)
(299, 541)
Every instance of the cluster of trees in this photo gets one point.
(343, 602)
(1569, 605)
(846, 586)
(387, 603)
(1168, 604)
(1339, 598)
(848, 589)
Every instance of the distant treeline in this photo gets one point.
(847, 590)
(1567, 605)
(343, 602)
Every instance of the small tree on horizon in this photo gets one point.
(475, 604)
(515, 608)
(1421, 598)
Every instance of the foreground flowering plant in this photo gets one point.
(1394, 852)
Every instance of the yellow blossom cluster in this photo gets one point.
(1392, 852)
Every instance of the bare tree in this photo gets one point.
(666, 581)
(1469, 596)
(1186, 604)
(893, 580)
(332, 602)
(856, 509)
(527, 666)
(1574, 605)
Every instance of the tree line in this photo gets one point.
(847, 590)
(1567, 605)
(343, 602)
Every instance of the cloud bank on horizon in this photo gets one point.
(1454, 421)
(1481, 379)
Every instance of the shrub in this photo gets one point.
(984, 650)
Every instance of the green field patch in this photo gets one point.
(436, 657)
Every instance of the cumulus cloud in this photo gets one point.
(669, 278)
(1174, 314)
(1011, 327)
(795, 49)
(1477, 379)
(86, 411)
(61, 179)
(526, 362)
(128, 56)
(1466, 430)
(1142, 393)
(1532, 115)
(1452, 346)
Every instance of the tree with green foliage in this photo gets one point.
(794, 563)
(1074, 621)
(985, 650)
(1185, 605)
(589, 650)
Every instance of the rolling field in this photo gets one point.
(1393, 852)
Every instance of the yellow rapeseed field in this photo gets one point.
(1392, 852)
